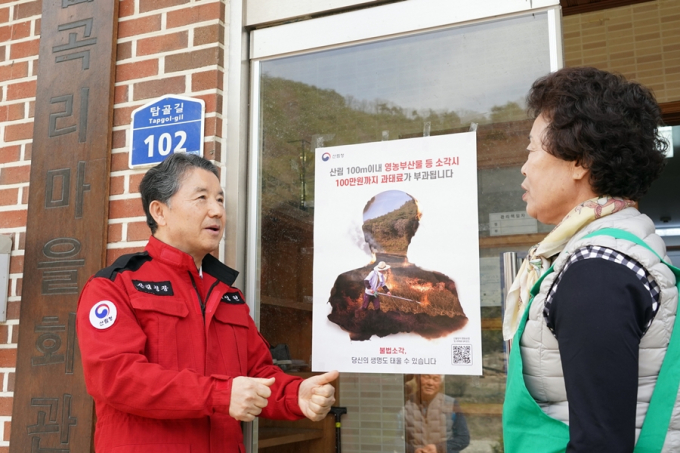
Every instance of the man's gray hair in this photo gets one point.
(164, 180)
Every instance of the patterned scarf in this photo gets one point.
(541, 255)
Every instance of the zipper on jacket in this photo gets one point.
(198, 294)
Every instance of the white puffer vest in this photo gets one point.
(540, 355)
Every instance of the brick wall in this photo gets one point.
(642, 42)
(164, 47)
(19, 42)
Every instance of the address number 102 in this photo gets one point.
(165, 143)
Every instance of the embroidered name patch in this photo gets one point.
(103, 314)
(155, 288)
(234, 297)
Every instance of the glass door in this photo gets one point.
(445, 80)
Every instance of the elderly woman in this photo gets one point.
(589, 346)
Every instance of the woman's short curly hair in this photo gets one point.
(605, 123)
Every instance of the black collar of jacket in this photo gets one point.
(219, 270)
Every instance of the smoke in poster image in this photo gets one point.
(391, 295)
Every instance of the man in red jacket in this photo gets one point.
(170, 354)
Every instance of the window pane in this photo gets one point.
(431, 83)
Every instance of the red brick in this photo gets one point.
(8, 358)
(120, 209)
(120, 94)
(209, 127)
(23, 10)
(13, 309)
(16, 264)
(21, 30)
(14, 71)
(119, 161)
(195, 13)
(4, 15)
(122, 116)
(24, 195)
(7, 431)
(4, 334)
(119, 139)
(6, 401)
(208, 35)
(5, 33)
(13, 219)
(136, 27)
(213, 102)
(24, 49)
(31, 109)
(2, 53)
(194, 59)
(150, 5)
(164, 43)
(138, 231)
(16, 111)
(113, 254)
(124, 51)
(21, 131)
(115, 233)
(9, 197)
(126, 8)
(15, 336)
(10, 378)
(212, 150)
(133, 187)
(28, 148)
(137, 70)
(22, 241)
(10, 154)
(156, 88)
(208, 80)
(21, 90)
(36, 30)
(20, 283)
(15, 175)
(117, 185)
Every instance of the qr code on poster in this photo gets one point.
(461, 354)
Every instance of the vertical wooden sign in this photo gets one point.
(67, 221)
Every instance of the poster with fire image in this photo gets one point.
(396, 257)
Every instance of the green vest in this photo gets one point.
(526, 428)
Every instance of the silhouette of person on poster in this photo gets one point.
(419, 301)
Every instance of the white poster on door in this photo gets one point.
(396, 257)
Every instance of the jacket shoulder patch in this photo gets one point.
(131, 262)
(233, 296)
(155, 288)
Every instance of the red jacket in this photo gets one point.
(159, 370)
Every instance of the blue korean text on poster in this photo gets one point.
(171, 124)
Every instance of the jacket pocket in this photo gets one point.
(230, 330)
(158, 317)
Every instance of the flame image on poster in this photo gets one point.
(396, 259)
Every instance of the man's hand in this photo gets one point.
(315, 396)
(248, 397)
